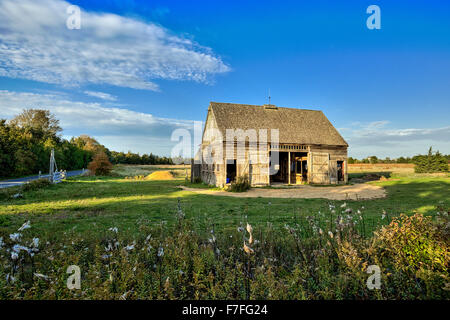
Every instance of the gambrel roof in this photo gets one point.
(298, 126)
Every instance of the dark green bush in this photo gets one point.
(36, 184)
(241, 184)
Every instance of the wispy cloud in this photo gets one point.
(119, 129)
(101, 95)
(376, 138)
(108, 49)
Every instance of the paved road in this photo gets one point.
(19, 181)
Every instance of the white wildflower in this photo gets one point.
(249, 228)
(26, 225)
(124, 296)
(114, 229)
(41, 276)
(343, 205)
(247, 249)
(17, 247)
(212, 240)
(250, 240)
(10, 278)
(160, 252)
(15, 236)
(129, 247)
(330, 234)
(35, 242)
(109, 247)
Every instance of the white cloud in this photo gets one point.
(375, 138)
(101, 95)
(119, 129)
(109, 49)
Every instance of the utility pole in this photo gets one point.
(52, 165)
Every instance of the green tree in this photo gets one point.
(432, 162)
(40, 123)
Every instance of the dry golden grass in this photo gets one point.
(160, 175)
(404, 168)
(130, 170)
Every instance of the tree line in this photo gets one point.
(135, 158)
(27, 140)
(429, 163)
(414, 159)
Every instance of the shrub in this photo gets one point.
(36, 184)
(241, 184)
(430, 163)
(100, 165)
(415, 253)
(195, 180)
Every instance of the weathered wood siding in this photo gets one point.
(318, 173)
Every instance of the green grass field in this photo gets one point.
(90, 203)
(175, 244)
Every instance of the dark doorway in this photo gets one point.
(340, 170)
(281, 174)
(231, 171)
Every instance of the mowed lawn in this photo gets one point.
(95, 204)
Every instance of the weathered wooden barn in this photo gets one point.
(300, 146)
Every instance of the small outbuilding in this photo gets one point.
(278, 146)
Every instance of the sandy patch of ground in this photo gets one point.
(353, 192)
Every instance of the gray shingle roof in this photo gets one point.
(298, 126)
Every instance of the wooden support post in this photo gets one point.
(289, 167)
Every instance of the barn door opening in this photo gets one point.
(301, 168)
(231, 171)
(281, 169)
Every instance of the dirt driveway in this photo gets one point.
(353, 192)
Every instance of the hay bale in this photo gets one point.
(160, 175)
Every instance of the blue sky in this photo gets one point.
(137, 70)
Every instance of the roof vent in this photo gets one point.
(270, 106)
